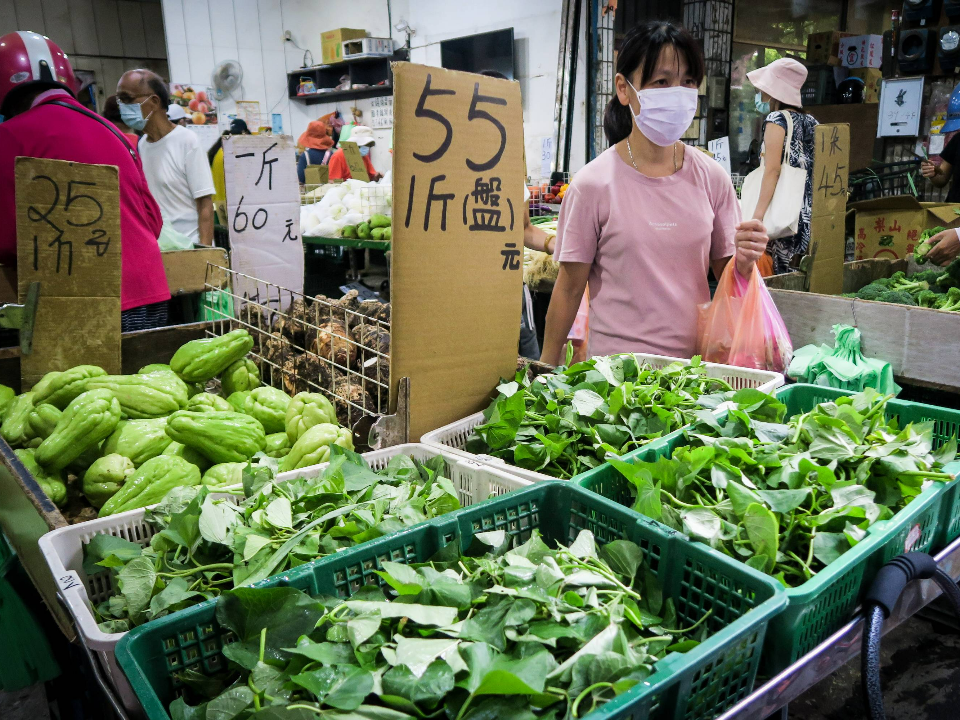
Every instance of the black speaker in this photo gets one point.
(949, 48)
(915, 52)
(952, 8)
(921, 11)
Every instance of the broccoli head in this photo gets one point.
(886, 283)
(921, 250)
(929, 298)
(898, 297)
(927, 276)
(930, 232)
(873, 291)
(898, 277)
(950, 301)
(950, 278)
(849, 295)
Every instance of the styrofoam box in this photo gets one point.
(63, 548)
(453, 437)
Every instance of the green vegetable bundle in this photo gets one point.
(925, 246)
(567, 422)
(938, 289)
(789, 499)
(531, 632)
(205, 545)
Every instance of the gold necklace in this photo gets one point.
(630, 152)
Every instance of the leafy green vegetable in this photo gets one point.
(205, 544)
(565, 423)
(789, 499)
(531, 633)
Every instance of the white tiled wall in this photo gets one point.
(106, 37)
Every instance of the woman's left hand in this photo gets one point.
(751, 240)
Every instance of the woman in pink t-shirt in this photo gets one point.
(646, 220)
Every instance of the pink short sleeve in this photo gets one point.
(726, 217)
(578, 229)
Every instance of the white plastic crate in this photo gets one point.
(453, 437)
(63, 548)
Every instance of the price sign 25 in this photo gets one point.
(68, 225)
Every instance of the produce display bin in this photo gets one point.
(454, 436)
(820, 606)
(693, 686)
(63, 548)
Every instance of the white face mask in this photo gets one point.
(665, 113)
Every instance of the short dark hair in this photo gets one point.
(641, 50)
(156, 84)
(111, 110)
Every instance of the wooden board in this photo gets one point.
(68, 240)
(921, 344)
(457, 240)
(190, 271)
(863, 119)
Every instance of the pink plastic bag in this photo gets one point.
(742, 325)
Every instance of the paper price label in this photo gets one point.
(913, 537)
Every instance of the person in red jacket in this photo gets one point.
(43, 119)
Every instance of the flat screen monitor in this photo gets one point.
(475, 53)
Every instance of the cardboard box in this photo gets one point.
(890, 227)
(872, 81)
(331, 43)
(861, 51)
(823, 48)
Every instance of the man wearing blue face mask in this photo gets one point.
(175, 164)
(363, 137)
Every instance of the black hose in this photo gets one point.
(878, 605)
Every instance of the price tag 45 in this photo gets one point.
(68, 581)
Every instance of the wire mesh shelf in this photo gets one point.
(340, 348)
(883, 180)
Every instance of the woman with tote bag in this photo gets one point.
(780, 191)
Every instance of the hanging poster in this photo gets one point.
(900, 102)
(197, 100)
(263, 213)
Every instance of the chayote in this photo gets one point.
(278, 445)
(208, 402)
(43, 419)
(220, 436)
(65, 386)
(88, 419)
(152, 395)
(269, 406)
(16, 423)
(200, 360)
(225, 474)
(194, 457)
(6, 399)
(306, 410)
(138, 440)
(50, 482)
(150, 482)
(44, 382)
(240, 376)
(104, 478)
(237, 399)
(313, 447)
(155, 367)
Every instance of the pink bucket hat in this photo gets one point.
(781, 80)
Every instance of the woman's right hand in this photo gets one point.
(928, 169)
(751, 240)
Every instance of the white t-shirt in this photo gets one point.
(178, 174)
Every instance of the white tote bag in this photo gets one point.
(783, 214)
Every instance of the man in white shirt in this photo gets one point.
(176, 167)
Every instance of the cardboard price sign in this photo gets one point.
(831, 168)
(457, 239)
(351, 153)
(316, 174)
(263, 213)
(68, 239)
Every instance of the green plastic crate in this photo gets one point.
(696, 685)
(820, 606)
